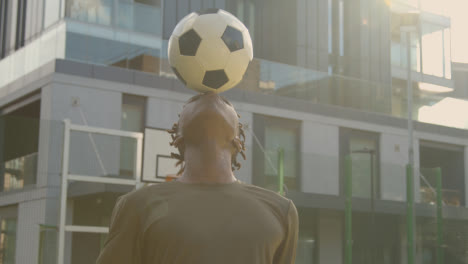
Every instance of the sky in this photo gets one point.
(457, 11)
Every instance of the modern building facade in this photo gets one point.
(328, 82)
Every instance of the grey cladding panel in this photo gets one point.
(169, 18)
(208, 4)
(182, 9)
(220, 4)
(195, 5)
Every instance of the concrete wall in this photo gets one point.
(393, 160)
(30, 215)
(95, 108)
(320, 158)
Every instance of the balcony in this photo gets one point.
(20, 172)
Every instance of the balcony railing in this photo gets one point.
(119, 14)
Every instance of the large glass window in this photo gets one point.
(432, 43)
(399, 46)
(7, 240)
(275, 133)
(450, 159)
(132, 119)
(307, 246)
(139, 15)
(369, 247)
(362, 147)
(19, 138)
(97, 12)
(272, 25)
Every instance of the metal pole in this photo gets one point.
(348, 211)
(410, 213)
(281, 170)
(138, 162)
(63, 194)
(373, 242)
(410, 181)
(440, 240)
(409, 89)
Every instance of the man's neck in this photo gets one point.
(209, 163)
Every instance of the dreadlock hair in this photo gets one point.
(178, 141)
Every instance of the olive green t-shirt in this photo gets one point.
(202, 223)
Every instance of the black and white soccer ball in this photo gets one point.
(210, 50)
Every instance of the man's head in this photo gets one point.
(208, 118)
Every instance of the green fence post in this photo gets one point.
(281, 170)
(348, 210)
(410, 213)
(440, 250)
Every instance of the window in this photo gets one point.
(399, 44)
(132, 119)
(368, 245)
(362, 147)
(7, 240)
(19, 138)
(274, 133)
(307, 244)
(450, 159)
(273, 39)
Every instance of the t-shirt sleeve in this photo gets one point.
(286, 252)
(122, 244)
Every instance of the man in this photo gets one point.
(206, 216)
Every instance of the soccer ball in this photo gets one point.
(210, 50)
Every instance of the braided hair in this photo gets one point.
(178, 141)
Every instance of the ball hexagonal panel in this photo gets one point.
(212, 54)
(210, 26)
(185, 24)
(189, 42)
(215, 79)
(233, 39)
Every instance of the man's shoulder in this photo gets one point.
(267, 195)
(161, 191)
(143, 193)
